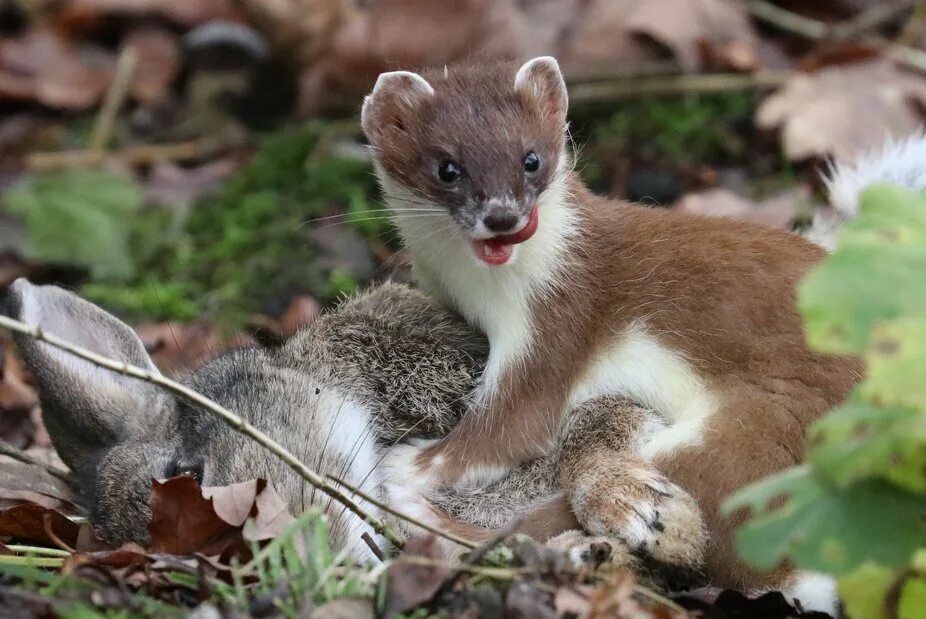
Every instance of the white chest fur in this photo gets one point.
(638, 367)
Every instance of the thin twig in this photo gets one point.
(115, 97)
(390, 510)
(371, 544)
(913, 29)
(675, 85)
(17, 454)
(813, 29)
(871, 18)
(787, 20)
(132, 155)
(234, 421)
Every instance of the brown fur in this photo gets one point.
(719, 293)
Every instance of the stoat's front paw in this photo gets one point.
(407, 483)
(653, 516)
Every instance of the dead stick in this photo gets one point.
(913, 29)
(234, 421)
(675, 85)
(812, 29)
(133, 155)
(115, 97)
(871, 18)
(17, 454)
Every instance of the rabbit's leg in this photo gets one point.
(617, 495)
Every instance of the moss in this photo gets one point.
(248, 247)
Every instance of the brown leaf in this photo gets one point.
(183, 521)
(720, 24)
(777, 212)
(36, 524)
(233, 503)
(18, 400)
(840, 111)
(29, 483)
(271, 518)
(158, 62)
(299, 29)
(43, 66)
(409, 33)
(301, 311)
(124, 556)
(179, 346)
(409, 585)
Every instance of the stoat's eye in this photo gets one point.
(449, 171)
(531, 162)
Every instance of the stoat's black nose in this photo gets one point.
(500, 220)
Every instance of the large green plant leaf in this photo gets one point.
(81, 217)
(876, 275)
(798, 516)
(860, 440)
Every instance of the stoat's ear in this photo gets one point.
(542, 81)
(392, 103)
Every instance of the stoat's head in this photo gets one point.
(479, 143)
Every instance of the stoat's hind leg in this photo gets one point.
(618, 496)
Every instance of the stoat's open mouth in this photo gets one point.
(498, 250)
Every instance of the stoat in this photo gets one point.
(583, 297)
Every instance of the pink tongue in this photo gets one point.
(492, 252)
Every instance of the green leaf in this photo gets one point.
(896, 363)
(876, 274)
(860, 440)
(864, 591)
(822, 527)
(913, 599)
(81, 217)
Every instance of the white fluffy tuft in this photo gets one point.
(814, 592)
(898, 162)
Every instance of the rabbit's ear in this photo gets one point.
(87, 409)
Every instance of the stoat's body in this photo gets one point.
(583, 297)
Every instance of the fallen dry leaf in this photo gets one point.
(601, 40)
(157, 62)
(778, 212)
(35, 524)
(269, 517)
(723, 25)
(183, 521)
(180, 346)
(42, 65)
(410, 585)
(187, 519)
(842, 110)
(299, 30)
(25, 483)
(406, 33)
(301, 311)
(627, 36)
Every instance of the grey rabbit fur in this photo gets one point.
(388, 365)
